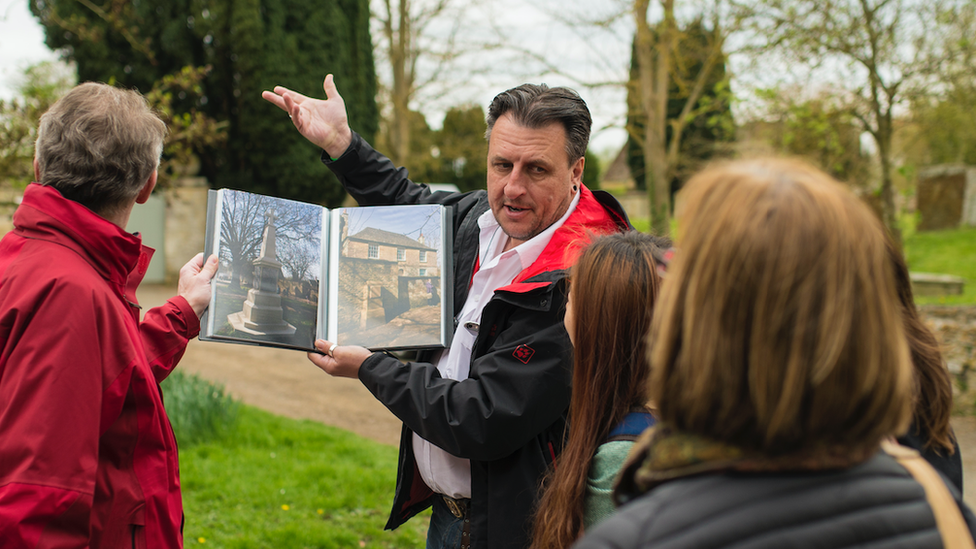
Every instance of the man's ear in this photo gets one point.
(37, 170)
(577, 171)
(148, 188)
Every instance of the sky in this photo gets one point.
(532, 26)
(409, 222)
(21, 44)
(551, 29)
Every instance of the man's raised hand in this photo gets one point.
(323, 122)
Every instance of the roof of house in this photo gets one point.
(379, 236)
(618, 170)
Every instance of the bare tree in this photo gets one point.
(656, 49)
(242, 229)
(419, 43)
(880, 52)
(299, 257)
(652, 27)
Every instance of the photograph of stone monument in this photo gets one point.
(262, 313)
(390, 284)
(267, 286)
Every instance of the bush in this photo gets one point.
(199, 410)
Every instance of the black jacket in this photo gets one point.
(508, 417)
(875, 504)
(950, 465)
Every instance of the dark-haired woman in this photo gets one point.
(929, 432)
(612, 291)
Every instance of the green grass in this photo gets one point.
(945, 252)
(274, 482)
(642, 224)
(950, 252)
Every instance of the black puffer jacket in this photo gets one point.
(875, 504)
(508, 416)
(950, 465)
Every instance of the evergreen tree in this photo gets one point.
(421, 163)
(463, 148)
(251, 46)
(591, 170)
(455, 154)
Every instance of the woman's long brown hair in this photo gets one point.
(613, 288)
(780, 330)
(932, 397)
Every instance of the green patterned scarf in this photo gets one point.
(662, 453)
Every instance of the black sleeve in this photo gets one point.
(373, 180)
(502, 405)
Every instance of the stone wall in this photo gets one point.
(9, 199)
(357, 276)
(955, 328)
(186, 223)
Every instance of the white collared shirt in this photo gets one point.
(445, 473)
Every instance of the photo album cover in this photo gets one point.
(291, 273)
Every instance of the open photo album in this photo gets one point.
(292, 272)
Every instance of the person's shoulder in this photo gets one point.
(40, 259)
(697, 508)
(612, 452)
(47, 271)
(607, 461)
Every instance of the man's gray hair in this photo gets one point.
(99, 145)
(537, 105)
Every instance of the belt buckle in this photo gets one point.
(454, 507)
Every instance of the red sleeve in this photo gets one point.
(165, 332)
(53, 390)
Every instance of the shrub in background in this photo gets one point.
(199, 410)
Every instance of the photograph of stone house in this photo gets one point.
(390, 288)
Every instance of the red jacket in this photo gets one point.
(87, 455)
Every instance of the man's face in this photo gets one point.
(530, 180)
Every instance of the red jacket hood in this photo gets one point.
(116, 255)
(590, 219)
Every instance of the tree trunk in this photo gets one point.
(399, 42)
(654, 72)
(889, 213)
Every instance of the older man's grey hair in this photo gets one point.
(99, 145)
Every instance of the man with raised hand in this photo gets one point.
(485, 418)
(87, 455)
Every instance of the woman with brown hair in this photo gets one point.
(778, 366)
(613, 287)
(929, 432)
